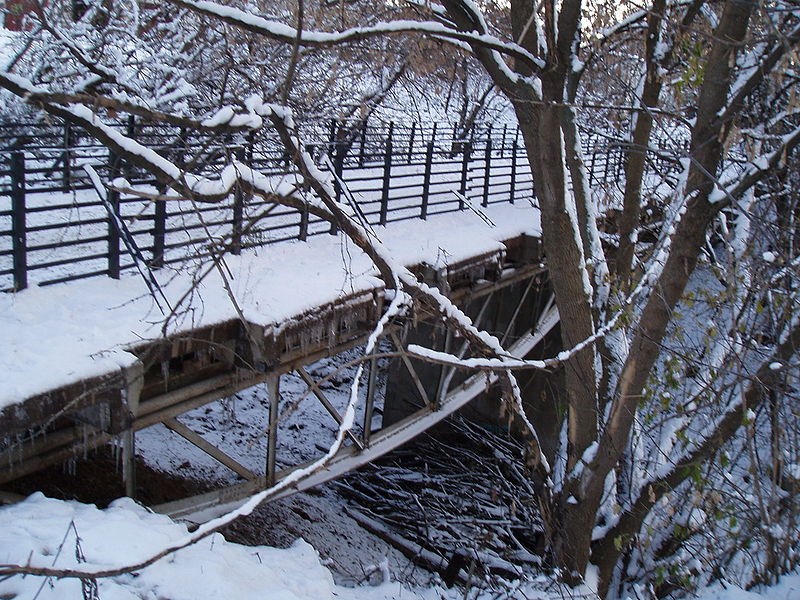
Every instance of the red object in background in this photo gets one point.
(15, 13)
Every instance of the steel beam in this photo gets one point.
(210, 449)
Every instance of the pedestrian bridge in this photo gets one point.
(95, 360)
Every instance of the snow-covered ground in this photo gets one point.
(42, 532)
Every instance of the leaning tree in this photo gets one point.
(676, 287)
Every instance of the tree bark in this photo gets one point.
(637, 151)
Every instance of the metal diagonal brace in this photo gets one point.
(312, 385)
(207, 447)
(411, 370)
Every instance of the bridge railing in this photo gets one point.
(54, 227)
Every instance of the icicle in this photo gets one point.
(85, 436)
(115, 453)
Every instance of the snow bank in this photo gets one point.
(46, 532)
(40, 531)
(788, 588)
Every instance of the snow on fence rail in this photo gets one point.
(54, 228)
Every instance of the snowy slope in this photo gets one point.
(45, 532)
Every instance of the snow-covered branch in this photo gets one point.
(757, 170)
(753, 76)
(284, 33)
(672, 475)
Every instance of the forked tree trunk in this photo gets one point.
(573, 512)
(571, 524)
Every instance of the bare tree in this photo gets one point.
(716, 79)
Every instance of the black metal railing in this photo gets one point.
(54, 227)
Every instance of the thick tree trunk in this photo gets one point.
(565, 261)
(541, 130)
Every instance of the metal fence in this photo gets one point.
(54, 226)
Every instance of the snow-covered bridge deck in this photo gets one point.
(92, 361)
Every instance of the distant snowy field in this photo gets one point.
(50, 533)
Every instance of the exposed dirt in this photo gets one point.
(353, 555)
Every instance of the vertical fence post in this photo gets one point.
(332, 137)
(486, 172)
(303, 235)
(426, 181)
(113, 231)
(159, 233)
(411, 141)
(238, 209)
(503, 142)
(466, 148)
(387, 173)
(362, 143)
(66, 157)
(130, 131)
(338, 167)
(513, 170)
(18, 221)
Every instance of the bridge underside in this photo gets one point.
(504, 292)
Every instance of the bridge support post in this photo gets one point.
(273, 392)
(369, 408)
(134, 377)
(129, 462)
